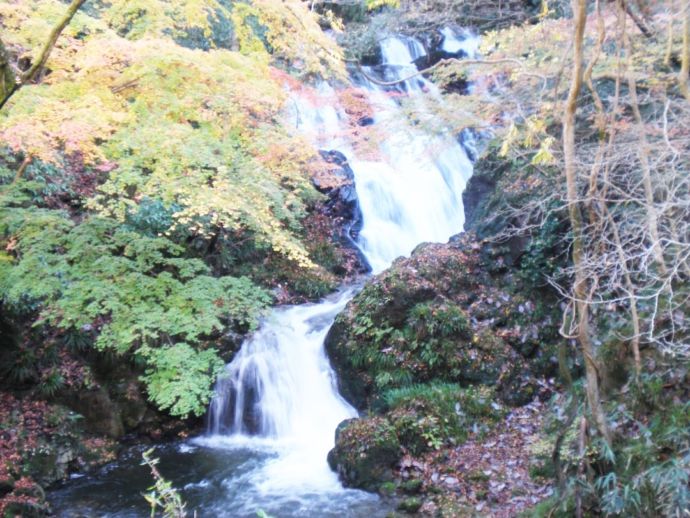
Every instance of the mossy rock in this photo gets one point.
(366, 452)
(517, 387)
(433, 416)
(50, 463)
(354, 385)
(428, 318)
(416, 419)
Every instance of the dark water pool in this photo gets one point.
(216, 480)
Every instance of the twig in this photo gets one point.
(31, 74)
(446, 61)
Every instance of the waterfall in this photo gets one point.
(280, 384)
(280, 390)
(467, 43)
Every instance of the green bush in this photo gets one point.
(439, 414)
(128, 292)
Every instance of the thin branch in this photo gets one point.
(639, 21)
(33, 72)
(443, 62)
(22, 168)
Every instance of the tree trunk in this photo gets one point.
(31, 74)
(685, 56)
(580, 286)
(8, 83)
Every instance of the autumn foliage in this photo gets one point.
(153, 136)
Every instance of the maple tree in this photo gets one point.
(157, 127)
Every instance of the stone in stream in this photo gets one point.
(366, 453)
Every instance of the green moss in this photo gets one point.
(313, 285)
(388, 488)
(552, 507)
(410, 505)
(412, 486)
(478, 476)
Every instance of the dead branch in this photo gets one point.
(443, 62)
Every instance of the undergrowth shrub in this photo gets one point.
(430, 416)
(128, 292)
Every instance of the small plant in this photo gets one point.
(162, 495)
(372, 5)
(51, 383)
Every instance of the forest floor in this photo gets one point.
(488, 475)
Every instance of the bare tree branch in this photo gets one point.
(443, 62)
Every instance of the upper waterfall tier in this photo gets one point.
(412, 192)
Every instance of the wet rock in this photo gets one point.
(479, 187)
(341, 210)
(353, 384)
(102, 415)
(366, 452)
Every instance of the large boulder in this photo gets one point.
(439, 315)
(370, 452)
(366, 452)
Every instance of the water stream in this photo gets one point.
(272, 420)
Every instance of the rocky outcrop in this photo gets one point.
(342, 206)
(334, 224)
(329, 231)
(441, 344)
(443, 315)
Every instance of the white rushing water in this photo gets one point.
(280, 392)
(465, 43)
